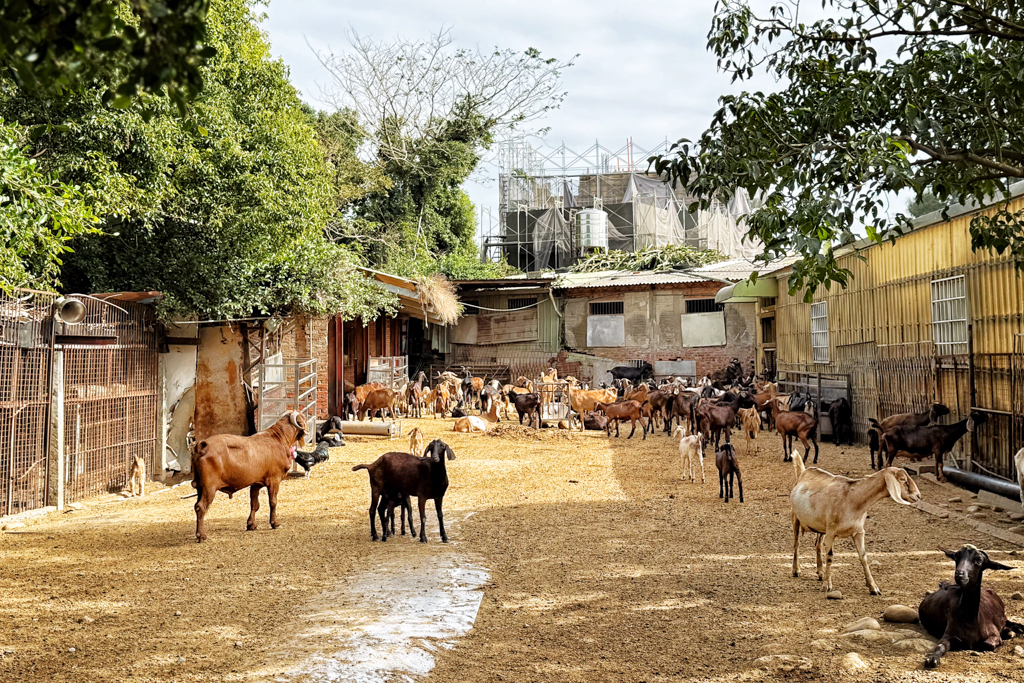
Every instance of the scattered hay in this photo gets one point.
(438, 295)
(524, 432)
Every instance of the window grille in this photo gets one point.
(522, 302)
(608, 308)
(949, 315)
(703, 306)
(819, 331)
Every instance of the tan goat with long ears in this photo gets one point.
(836, 507)
(415, 441)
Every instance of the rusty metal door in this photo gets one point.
(110, 397)
(26, 346)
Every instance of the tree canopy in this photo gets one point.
(877, 97)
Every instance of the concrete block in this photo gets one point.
(995, 500)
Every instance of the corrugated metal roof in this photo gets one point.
(740, 269)
(622, 278)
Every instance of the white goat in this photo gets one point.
(1018, 460)
(836, 507)
(690, 448)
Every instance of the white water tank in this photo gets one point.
(593, 229)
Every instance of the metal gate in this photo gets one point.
(26, 347)
(110, 397)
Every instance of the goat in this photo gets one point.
(527, 405)
(836, 507)
(363, 390)
(595, 422)
(405, 474)
(840, 414)
(322, 453)
(230, 463)
(751, 426)
(415, 440)
(352, 404)
(715, 417)
(963, 615)
(472, 423)
(690, 448)
(934, 440)
(327, 427)
(799, 424)
(137, 476)
(683, 408)
(729, 374)
(878, 428)
(799, 403)
(728, 469)
(633, 374)
(386, 512)
(491, 393)
(414, 399)
(460, 409)
(623, 410)
(378, 401)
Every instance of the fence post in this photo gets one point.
(58, 465)
(973, 390)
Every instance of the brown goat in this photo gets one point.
(728, 469)
(379, 400)
(623, 410)
(799, 424)
(230, 463)
(878, 428)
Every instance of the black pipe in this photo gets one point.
(1002, 487)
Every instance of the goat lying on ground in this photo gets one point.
(935, 440)
(329, 429)
(623, 410)
(690, 448)
(405, 474)
(322, 453)
(728, 469)
(879, 428)
(460, 409)
(836, 507)
(963, 615)
(230, 463)
(474, 424)
(595, 422)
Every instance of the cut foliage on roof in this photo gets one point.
(657, 259)
(438, 293)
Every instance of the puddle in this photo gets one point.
(390, 619)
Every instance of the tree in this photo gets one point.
(877, 97)
(38, 217)
(426, 114)
(46, 47)
(222, 210)
(925, 204)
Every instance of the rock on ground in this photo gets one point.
(853, 662)
(862, 624)
(784, 663)
(900, 614)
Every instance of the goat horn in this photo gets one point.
(293, 418)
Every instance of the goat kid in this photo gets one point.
(137, 476)
(964, 615)
(690, 448)
(751, 426)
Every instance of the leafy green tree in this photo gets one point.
(925, 204)
(222, 210)
(155, 45)
(875, 98)
(38, 217)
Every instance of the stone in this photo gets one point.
(919, 645)
(956, 499)
(1003, 520)
(875, 564)
(984, 506)
(75, 506)
(784, 663)
(852, 661)
(834, 595)
(823, 645)
(900, 614)
(11, 526)
(872, 636)
(1016, 516)
(972, 508)
(86, 620)
(180, 660)
(868, 623)
(238, 643)
(1019, 651)
(1017, 596)
(71, 649)
(177, 614)
(977, 515)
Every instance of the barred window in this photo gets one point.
(608, 308)
(522, 302)
(819, 331)
(949, 315)
(703, 306)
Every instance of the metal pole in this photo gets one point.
(974, 389)
(49, 407)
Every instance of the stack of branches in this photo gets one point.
(659, 259)
(438, 295)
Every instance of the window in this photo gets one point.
(469, 307)
(819, 331)
(522, 302)
(608, 308)
(703, 306)
(949, 315)
(767, 302)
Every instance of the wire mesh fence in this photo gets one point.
(25, 358)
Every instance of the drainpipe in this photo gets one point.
(1004, 488)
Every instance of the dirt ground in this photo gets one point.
(601, 565)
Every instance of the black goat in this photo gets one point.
(840, 414)
(460, 409)
(352, 406)
(386, 512)
(322, 453)
(527, 405)
(394, 474)
(798, 402)
(331, 425)
(963, 615)
(633, 374)
(728, 468)
(934, 440)
(878, 428)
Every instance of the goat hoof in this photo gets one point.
(251, 527)
(444, 539)
(423, 540)
(796, 575)
(931, 662)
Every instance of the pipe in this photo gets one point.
(1002, 487)
(389, 429)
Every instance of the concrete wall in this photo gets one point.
(220, 396)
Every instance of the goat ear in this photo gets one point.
(893, 485)
(950, 554)
(448, 450)
(989, 564)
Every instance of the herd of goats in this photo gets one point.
(963, 614)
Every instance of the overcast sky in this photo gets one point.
(642, 71)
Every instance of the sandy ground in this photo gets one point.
(593, 560)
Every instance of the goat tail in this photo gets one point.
(198, 451)
(360, 467)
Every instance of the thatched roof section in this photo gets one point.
(431, 299)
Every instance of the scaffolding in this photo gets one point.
(541, 190)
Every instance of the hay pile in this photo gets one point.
(511, 429)
(437, 295)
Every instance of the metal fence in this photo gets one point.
(26, 353)
(288, 385)
(110, 397)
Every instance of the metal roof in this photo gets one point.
(624, 278)
(740, 269)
